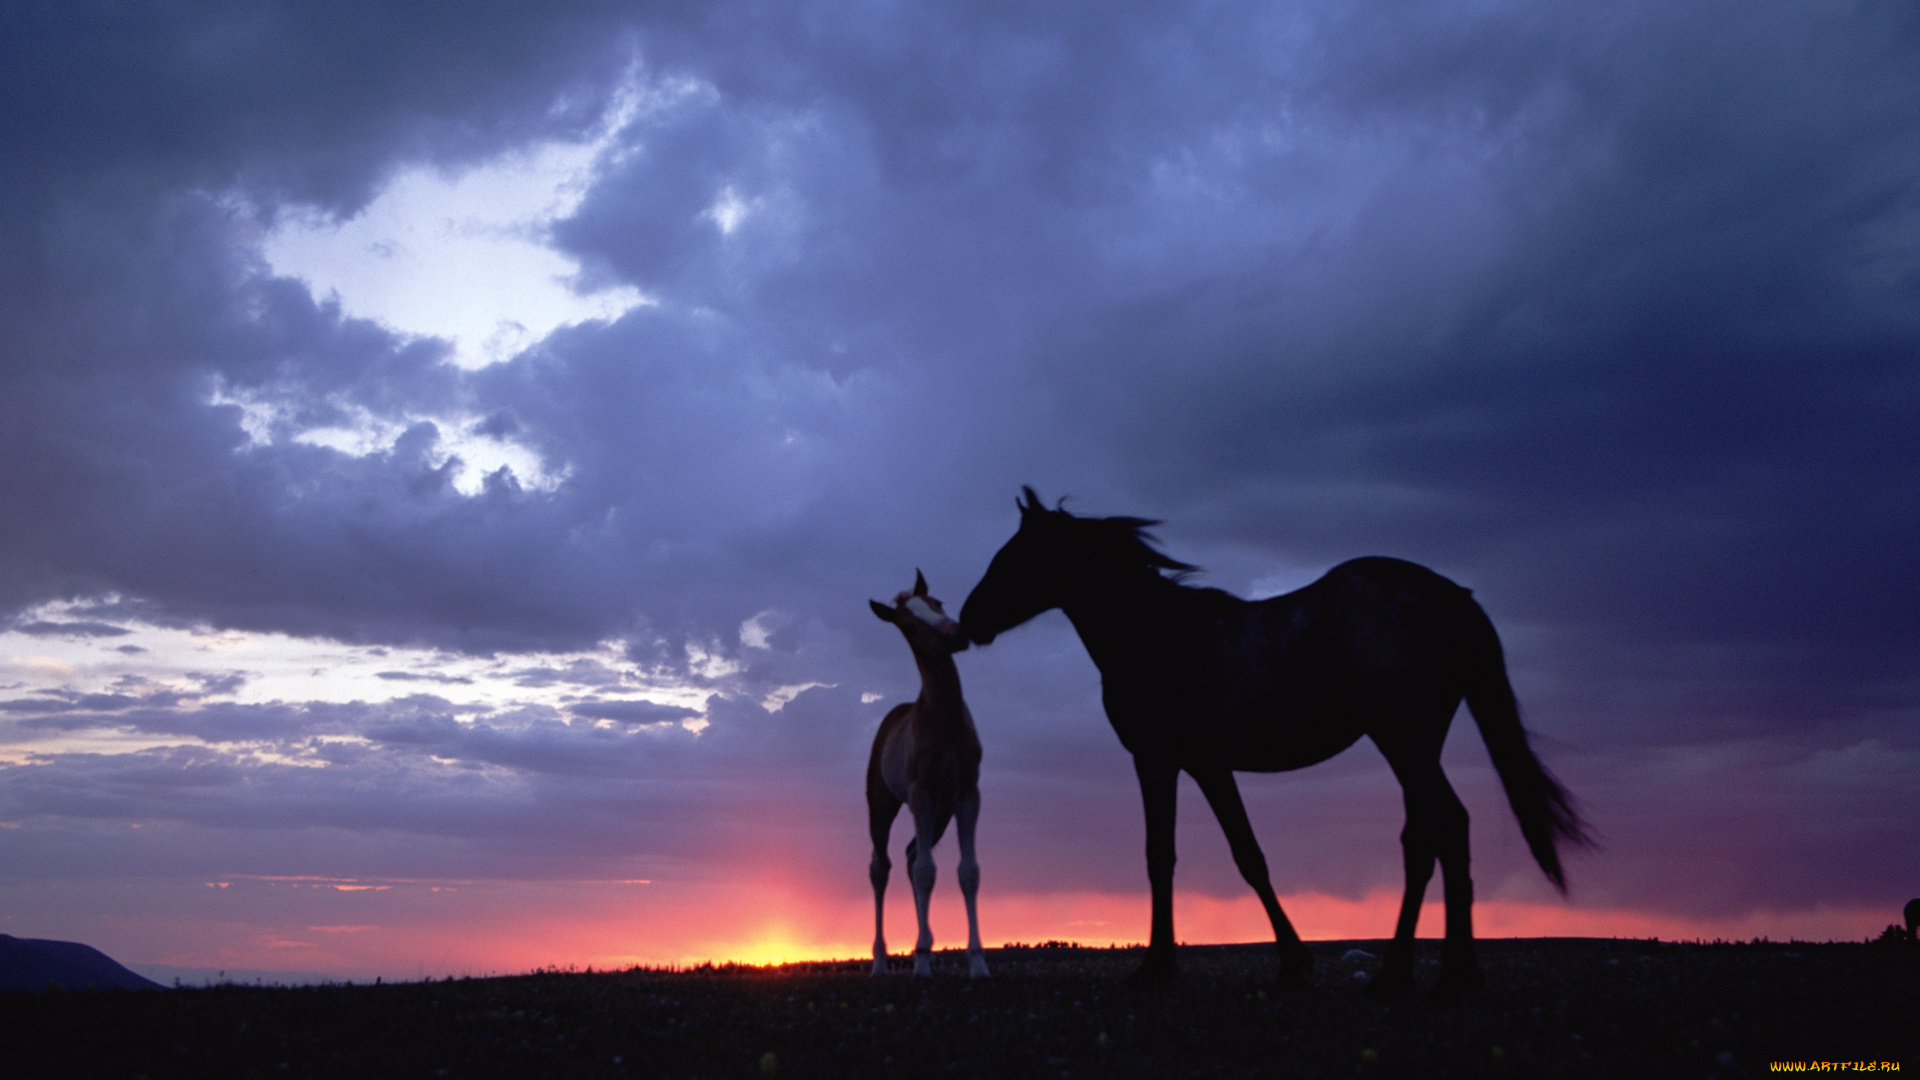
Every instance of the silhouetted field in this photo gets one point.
(1552, 1008)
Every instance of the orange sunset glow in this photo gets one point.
(404, 930)
(828, 931)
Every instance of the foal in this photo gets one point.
(927, 757)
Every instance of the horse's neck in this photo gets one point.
(940, 702)
(1125, 616)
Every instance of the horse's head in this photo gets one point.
(1053, 554)
(921, 618)
(1024, 578)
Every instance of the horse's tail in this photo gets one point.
(1545, 809)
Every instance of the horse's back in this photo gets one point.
(1375, 628)
(1295, 679)
(1373, 599)
(1382, 575)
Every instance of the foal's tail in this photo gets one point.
(1545, 809)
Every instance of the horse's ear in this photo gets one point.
(919, 582)
(882, 610)
(1031, 503)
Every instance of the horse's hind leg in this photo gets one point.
(1436, 828)
(881, 810)
(964, 817)
(1224, 796)
(1395, 978)
(1460, 975)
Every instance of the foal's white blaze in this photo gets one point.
(919, 606)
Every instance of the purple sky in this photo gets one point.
(456, 442)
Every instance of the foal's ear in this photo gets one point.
(882, 610)
(919, 582)
(1031, 503)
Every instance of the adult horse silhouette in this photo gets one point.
(926, 756)
(1198, 680)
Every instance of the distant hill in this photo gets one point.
(32, 964)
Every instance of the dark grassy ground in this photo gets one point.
(1552, 1008)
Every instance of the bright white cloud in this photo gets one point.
(463, 439)
(184, 667)
(729, 210)
(465, 255)
(781, 696)
(757, 632)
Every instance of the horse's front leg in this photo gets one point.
(1296, 963)
(965, 815)
(921, 870)
(1158, 794)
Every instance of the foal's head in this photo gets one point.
(923, 621)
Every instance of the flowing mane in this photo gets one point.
(1123, 541)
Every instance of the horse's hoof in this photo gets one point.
(1296, 969)
(879, 968)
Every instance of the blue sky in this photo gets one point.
(457, 442)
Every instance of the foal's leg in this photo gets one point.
(881, 810)
(964, 817)
(926, 832)
(1159, 790)
(1224, 796)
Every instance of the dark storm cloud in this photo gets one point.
(631, 712)
(409, 676)
(309, 98)
(1611, 314)
(43, 628)
(81, 706)
(586, 674)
